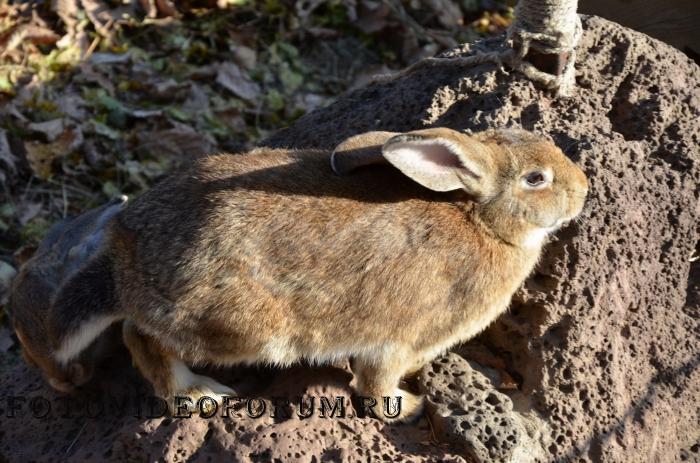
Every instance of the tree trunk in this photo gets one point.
(544, 35)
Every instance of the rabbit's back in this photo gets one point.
(246, 246)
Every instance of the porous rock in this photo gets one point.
(602, 340)
(469, 412)
(603, 337)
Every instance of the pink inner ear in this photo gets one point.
(439, 155)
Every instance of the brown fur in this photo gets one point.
(359, 151)
(67, 280)
(269, 257)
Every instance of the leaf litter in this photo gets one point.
(100, 98)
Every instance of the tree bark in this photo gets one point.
(544, 36)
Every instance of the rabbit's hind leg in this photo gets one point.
(171, 379)
(378, 378)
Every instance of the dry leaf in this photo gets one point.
(6, 341)
(146, 113)
(448, 12)
(180, 143)
(109, 58)
(51, 130)
(309, 101)
(72, 106)
(245, 56)
(103, 17)
(26, 211)
(197, 101)
(372, 16)
(41, 155)
(237, 82)
(167, 8)
(29, 33)
(7, 159)
(169, 90)
(7, 274)
(88, 74)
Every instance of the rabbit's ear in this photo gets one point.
(358, 151)
(442, 163)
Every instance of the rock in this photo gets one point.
(467, 411)
(603, 335)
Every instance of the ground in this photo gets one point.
(597, 359)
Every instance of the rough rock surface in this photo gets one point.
(106, 424)
(602, 341)
(604, 337)
(468, 412)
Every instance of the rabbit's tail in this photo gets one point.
(84, 307)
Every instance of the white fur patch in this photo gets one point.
(279, 351)
(282, 352)
(536, 237)
(184, 380)
(75, 343)
(182, 377)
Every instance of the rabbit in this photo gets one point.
(67, 280)
(270, 258)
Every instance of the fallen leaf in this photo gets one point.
(447, 12)
(67, 10)
(323, 33)
(236, 81)
(146, 113)
(10, 111)
(103, 17)
(372, 16)
(30, 33)
(7, 274)
(41, 155)
(233, 120)
(309, 101)
(26, 211)
(203, 72)
(51, 130)
(197, 101)
(245, 56)
(181, 143)
(291, 80)
(8, 159)
(102, 129)
(169, 90)
(167, 8)
(102, 59)
(6, 341)
(88, 74)
(23, 254)
(71, 105)
(149, 6)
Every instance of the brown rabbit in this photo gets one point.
(267, 257)
(67, 281)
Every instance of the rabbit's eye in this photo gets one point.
(536, 179)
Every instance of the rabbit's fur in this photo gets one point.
(67, 281)
(268, 257)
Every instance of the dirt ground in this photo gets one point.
(600, 345)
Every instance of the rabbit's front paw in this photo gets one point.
(376, 379)
(196, 393)
(411, 409)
